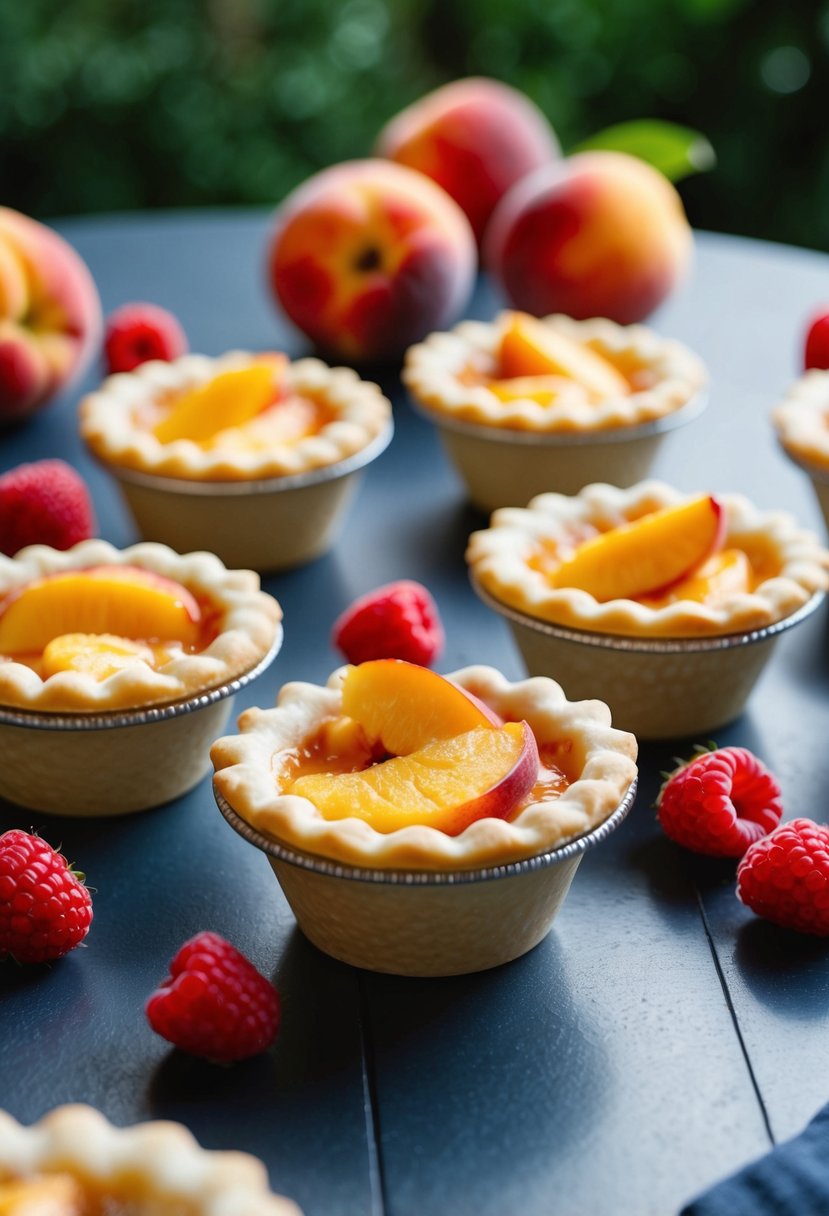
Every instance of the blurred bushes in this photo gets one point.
(114, 104)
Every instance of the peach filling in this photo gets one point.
(664, 556)
(64, 1194)
(535, 362)
(414, 748)
(246, 409)
(101, 620)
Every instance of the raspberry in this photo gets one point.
(136, 333)
(215, 1003)
(45, 503)
(816, 353)
(397, 621)
(785, 877)
(45, 910)
(720, 802)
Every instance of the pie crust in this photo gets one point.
(150, 1169)
(433, 373)
(600, 766)
(802, 419)
(499, 559)
(249, 626)
(111, 425)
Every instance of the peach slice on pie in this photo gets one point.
(448, 784)
(228, 400)
(402, 706)
(651, 553)
(121, 600)
(99, 655)
(52, 1195)
(528, 347)
(726, 573)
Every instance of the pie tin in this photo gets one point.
(819, 478)
(658, 688)
(502, 467)
(90, 765)
(425, 922)
(267, 525)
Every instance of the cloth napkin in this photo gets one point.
(791, 1180)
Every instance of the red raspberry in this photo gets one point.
(215, 1003)
(136, 333)
(720, 802)
(785, 877)
(397, 621)
(45, 503)
(45, 910)
(816, 353)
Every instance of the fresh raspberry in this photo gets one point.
(397, 621)
(45, 503)
(720, 802)
(816, 352)
(785, 877)
(215, 1003)
(136, 333)
(45, 910)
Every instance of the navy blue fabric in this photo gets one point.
(791, 1180)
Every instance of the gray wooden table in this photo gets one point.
(659, 1038)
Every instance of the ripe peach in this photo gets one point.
(447, 784)
(601, 234)
(367, 257)
(403, 706)
(476, 138)
(649, 554)
(50, 315)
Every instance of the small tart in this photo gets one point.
(78, 1164)
(456, 374)
(514, 558)
(320, 415)
(597, 761)
(238, 625)
(802, 420)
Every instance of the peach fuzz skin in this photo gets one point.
(368, 257)
(476, 138)
(601, 234)
(50, 315)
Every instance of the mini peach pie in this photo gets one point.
(393, 766)
(801, 420)
(553, 374)
(236, 418)
(97, 628)
(648, 562)
(74, 1163)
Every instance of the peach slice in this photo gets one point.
(402, 706)
(726, 573)
(55, 1195)
(639, 558)
(531, 348)
(546, 390)
(228, 400)
(448, 784)
(124, 600)
(96, 654)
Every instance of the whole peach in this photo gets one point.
(476, 138)
(367, 257)
(50, 315)
(601, 234)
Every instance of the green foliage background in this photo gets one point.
(120, 104)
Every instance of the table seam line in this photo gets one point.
(733, 1014)
(371, 1106)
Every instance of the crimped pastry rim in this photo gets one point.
(244, 779)
(109, 429)
(431, 368)
(164, 1155)
(497, 556)
(251, 629)
(800, 421)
